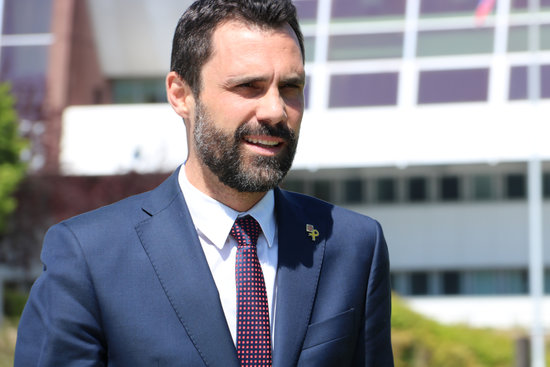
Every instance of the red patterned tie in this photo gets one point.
(253, 336)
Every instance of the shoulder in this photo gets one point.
(309, 206)
(122, 216)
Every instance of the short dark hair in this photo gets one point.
(191, 47)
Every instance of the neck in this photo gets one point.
(204, 180)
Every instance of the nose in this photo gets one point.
(271, 107)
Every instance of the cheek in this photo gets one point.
(295, 118)
(229, 113)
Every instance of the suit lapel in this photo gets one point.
(299, 265)
(171, 242)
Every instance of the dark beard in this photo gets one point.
(222, 154)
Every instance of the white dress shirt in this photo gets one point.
(213, 221)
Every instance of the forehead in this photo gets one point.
(236, 40)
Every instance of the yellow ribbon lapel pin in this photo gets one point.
(312, 232)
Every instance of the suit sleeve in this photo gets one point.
(60, 325)
(377, 329)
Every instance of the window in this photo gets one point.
(385, 190)
(139, 91)
(483, 187)
(418, 189)
(546, 185)
(365, 46)
(294, 185)
(355, 90)
(515, 186)
(465, 282)
(307, 90)
(451, 282)
(522, 4)
(322, 189)
(547, 281)
(455, 42)
(309, 45)
(449, 188)
(307, 10)
(25, 69)
(518, 82)
(444, 86)
(518, 40)
(353, 191)
(496, 282)
(419, 283)
(27, 17)
(454, 7)
(367, 8)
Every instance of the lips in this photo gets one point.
(264, 142)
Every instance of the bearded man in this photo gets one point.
(218, 266)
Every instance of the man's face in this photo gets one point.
(247, 117)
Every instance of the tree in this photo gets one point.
(12, 169)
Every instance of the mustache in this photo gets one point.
(279, 130)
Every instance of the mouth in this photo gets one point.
(265, 145)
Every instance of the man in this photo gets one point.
(157, 279)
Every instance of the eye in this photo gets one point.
(245, 85)
(292, 86)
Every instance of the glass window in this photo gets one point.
(516, 186)
(25, 68)
(496, 282)
(22, 62)
(307, 90)
(444, 86)
(518, 38)
(448, 7)
(139, 91)
(522, 4)
(449, 188)
(368, 8)
(546, 185)
(294, 185)
(455, 42)
(483, 187)
(28, 16)
(419, 283)
(365, 46)
(417, 189)
(547, 281)
(545, 37)
(386, 190)
(309, 45)
(307, 10)
(518, 82)
(354, 90)
(451, 282)
(353, 190)
(322, 189)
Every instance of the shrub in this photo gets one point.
(421, 342)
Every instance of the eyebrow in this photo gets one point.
(299, 79)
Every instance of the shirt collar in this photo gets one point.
(205, 210)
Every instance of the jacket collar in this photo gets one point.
(171, 242)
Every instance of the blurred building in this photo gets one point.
(418, 114)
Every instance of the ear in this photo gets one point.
(179, 95)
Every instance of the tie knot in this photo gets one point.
(246, 231)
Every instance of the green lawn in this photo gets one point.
(8, 334)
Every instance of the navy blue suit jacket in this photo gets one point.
(129, 285)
